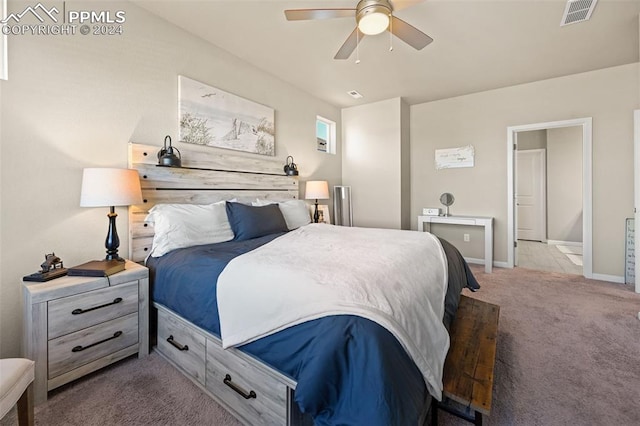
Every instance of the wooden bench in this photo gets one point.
(468, 368)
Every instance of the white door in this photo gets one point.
(531, 195)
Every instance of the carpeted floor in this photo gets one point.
(568, 354)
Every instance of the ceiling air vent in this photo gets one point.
(577, 11)
(354, 94)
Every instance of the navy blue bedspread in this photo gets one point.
(349, 370)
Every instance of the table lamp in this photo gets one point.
(318, 190)
(105, 187)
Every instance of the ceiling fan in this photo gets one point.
(372, 17)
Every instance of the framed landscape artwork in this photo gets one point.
(213, 117)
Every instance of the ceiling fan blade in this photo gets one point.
(409, 34)
(349, 45)
(403, 4)
(305, 14)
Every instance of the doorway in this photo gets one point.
(531, 193)
(585, 221)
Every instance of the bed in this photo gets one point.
(342, 368)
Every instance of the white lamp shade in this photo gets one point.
(104, 187)
(317, 190)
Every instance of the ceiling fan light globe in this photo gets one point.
(373, 23)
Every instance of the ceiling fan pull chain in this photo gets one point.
(357, 46)
(390, 33)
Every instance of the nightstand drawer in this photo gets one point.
(182, 345)
(89, 344)
(83, 310)
(258, 397)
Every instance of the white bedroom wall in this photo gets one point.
(532, 139)
(76, 101)
(372, 162)
(564, 184)
(608, 95)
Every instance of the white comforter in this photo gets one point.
(395, 278)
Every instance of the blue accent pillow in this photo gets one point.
(255, 221)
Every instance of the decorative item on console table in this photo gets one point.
(447, 200)
(76, 325)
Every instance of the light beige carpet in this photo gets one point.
(568, 354)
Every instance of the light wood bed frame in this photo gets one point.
(208, 176)
(205, 177)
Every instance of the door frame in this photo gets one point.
(587, 187)
(542, 193)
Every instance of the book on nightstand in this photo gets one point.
(96, 268)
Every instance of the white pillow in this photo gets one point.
(295, 212)
(185, 225)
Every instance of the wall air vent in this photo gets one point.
(354, 94)
(577, 11)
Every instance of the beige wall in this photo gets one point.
(372, 160)
(532, 139)
(405, 162)
(75, 102)
(564, 184)
(608, 95)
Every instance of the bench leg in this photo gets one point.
(25, 407)
(478, 421)
(434, 412)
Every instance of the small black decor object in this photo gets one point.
(290, 169)
(52, 267)
(167, 157)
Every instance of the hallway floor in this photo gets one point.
(545, 257)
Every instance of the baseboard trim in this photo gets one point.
(564, 243)
(477, 261)
(611, 278)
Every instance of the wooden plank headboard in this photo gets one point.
(205, 177)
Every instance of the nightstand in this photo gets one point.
(76, 325)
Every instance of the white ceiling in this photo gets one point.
(478, 44)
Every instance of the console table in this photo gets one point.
(486, 222)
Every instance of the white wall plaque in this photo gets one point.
(454, 157)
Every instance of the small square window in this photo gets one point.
(325, 135)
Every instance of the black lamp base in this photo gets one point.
(112, 241)
(316, 215)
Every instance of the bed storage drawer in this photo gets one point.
(89, 344)
(183, 345)
(246, 386)
(83, 310)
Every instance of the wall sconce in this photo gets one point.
(290, 169)
(166, 156)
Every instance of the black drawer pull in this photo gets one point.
(84, 311)
(82, 348)
(176, 344)
(227, 381)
